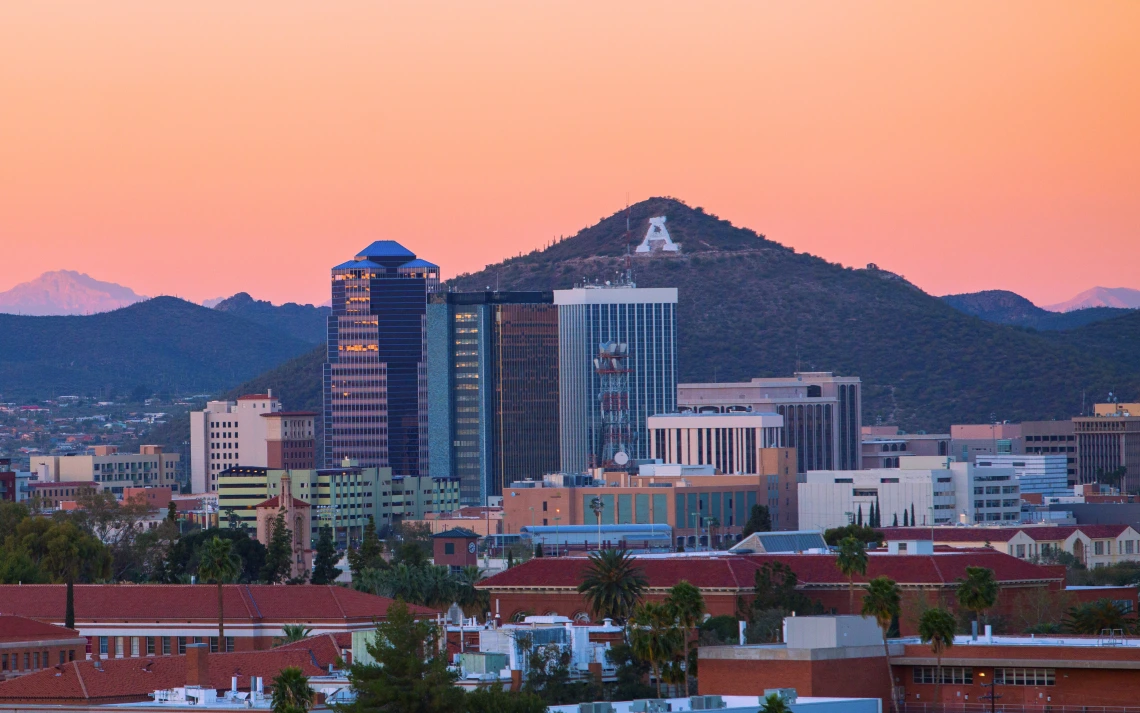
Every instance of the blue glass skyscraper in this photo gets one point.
(375, 386)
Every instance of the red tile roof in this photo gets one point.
(324, 648)
(133, 679)
(739, 572)
(260, 603)
(18, 628)
(999, 534)
(274, 501)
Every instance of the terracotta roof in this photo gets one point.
(274, 501)
(739, 572)
(325, 648)
(18, 628)
(999, 534)
(133, 679)
(302, 604)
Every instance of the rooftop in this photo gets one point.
(386, 248)
(18, 628)
(1046, 533)
(275, 502)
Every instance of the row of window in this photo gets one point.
(33, 660)
(155, 645)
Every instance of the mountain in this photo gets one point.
(64, 292)
(749, 307)
(1124, 297)
(1117, 339)
(163, 343)
(1004, 307)
(304, 322)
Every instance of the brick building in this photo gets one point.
(139, 620)
(548, 585)
(455, 548)
(27, 645)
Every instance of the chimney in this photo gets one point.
(197, 665)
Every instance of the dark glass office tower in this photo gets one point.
(493, 389)
(375, 387)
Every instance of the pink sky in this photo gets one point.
(202, 148)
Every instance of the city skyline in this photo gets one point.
(950, 144)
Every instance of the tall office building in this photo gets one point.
(1107, 441)
(644, 320)
(492, 389)
(821, 413)
(375, 380)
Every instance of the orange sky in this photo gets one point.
(201, 148)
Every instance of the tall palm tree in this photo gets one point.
(473, 601)
(977, 591)
(612, 584)
(852, 560)
(652, 636)
(291, 692)
(1095, 617)
(884, 602)
(221, 564)
(688, 608)
(937, 627)
(293, 632)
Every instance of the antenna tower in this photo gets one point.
(612, 367)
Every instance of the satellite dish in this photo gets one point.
(621, 457)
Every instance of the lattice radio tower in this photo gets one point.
(612, 367)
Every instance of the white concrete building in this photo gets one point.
(731, 442)
(930, 490)
(229, 433)
(112, 470)
(1043, 474)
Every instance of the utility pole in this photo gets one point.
(993, 695)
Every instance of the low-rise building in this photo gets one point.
(52, 496)
(1044, 474)
(295, 515)
(1092, 545)
(884, 445)
(111, 470)
(27, 645)
(927, 490)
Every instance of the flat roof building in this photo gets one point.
(227, 434)
(111, 470)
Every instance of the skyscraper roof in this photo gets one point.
(419, 263)
(357, 264)
(386, 248)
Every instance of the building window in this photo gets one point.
(134, 646)
(213, 644)
(1098, 547)
(62, 657)
(150, 646)
(449, 548)
(166, 646)
(181, 645)
(103, 647)
(950, 674)
(229, 644)
(1025, 676)
(36, 660)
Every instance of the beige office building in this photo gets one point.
(110, 469)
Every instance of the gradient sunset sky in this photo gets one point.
(202, 148)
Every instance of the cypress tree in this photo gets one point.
(859, 518)
(913, 521)
(906, 522)
(896, 522)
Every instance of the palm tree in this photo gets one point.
(291, 692)
(883, 601)
(775, 703)
(652, 636)
(473, 601)
(612, 584)
(978, 591)
(221, 564)
(688, 607)
(1095, 617)
(294, 632)
(852, 559)
(937, 627)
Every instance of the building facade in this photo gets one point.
(296, 515)
(1107, 442)
(928, 490)
(375, 380)
(111, 470)
(643, 324)
(884, 445)
(1043, 474)
(290, 442)
(493, 414)
(227, 434)
(1051, 438)
(27, 645)
(822, 413)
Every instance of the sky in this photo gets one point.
(204, 148)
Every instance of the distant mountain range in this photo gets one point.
(165, 344)
(66, 292)
(1123, 297)
(304, 322)
(1003, 307)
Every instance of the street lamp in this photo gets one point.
(993, 695)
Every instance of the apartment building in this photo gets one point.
(922, 490)
(821, 411)
(109, 469)
(1107, 441)
(227, 434)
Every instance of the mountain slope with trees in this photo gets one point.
(1004, 307)
(304, 322)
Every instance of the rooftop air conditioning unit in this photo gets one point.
(650, 705)
(706, 703)
(595, 708)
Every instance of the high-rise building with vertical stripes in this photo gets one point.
(643, 322)
(375, 381)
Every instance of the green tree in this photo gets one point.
(370, 554)
(1092, 618)
(279, 553)
(936, 627)
(474, 601)
(410, 674)
(172, 511)
(859, 517)
(869, 535)
(291, 692)
(65, 552)
(185, 553)
(977, 591)
(652, 636)
(895, 521)
(851, 560)
(220, 564)
(883, 601)
(325, 570)
(774, 703)
(906, 518)
(496, 699)
(688, 608)
(612, 584)
(292, 633)
(759, 520)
